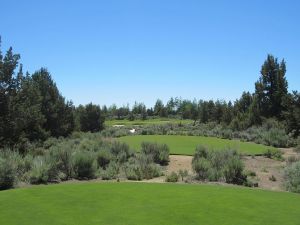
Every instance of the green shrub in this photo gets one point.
(233, 171)
(297, 148)
(62, 156)
(218, 165)
(292, 177)
(84, 165)
(273, 154)
(159, 152)
(183, 174)
(251, 183)
(8, 174)
(39, 172)
(133, 172)
(173, 177)
(12, 168)
(148, 168)
(103, 158)
(111, 171)
(117, 147)
(201, 152)
(276, 137)
(202, 167)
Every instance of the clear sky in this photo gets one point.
(120, 51)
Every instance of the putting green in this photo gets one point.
(146, 204)
(185, 145)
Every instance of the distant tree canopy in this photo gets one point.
(31, 106)
(33, 109)
(270, 100)
(90, 118)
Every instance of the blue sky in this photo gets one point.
(120, 51)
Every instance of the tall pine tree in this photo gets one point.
(272, 88)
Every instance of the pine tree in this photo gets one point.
(58, 112)
(272, 87)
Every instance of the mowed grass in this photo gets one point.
(185, 145)
(146, 122)
(146, 204)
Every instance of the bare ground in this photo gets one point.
(266, 168)
(263, 167)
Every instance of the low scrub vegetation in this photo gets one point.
(292, 177)
(159, 152)
(173, 177)
(83, 156)
(224, 165)
(297, 148)
(274, 154)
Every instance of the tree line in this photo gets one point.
(271, 99)
(33, 109)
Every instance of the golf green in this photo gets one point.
(185, 145)
(146, 204)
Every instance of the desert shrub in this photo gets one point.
(272, 178)
(276, 137)
(292, 177)
(45, 169)
(39, 171)
(8, 174)
(111, 171)
(115, 132)
(133, 172)
(172, 178)
(201, 152)
(202, 167)
(121, 151)
(250, 183)
(103, 158)
(227, 134)
(218, 165)
(251, 173)
(233, 171)
(183, 174)
(159, 152)
(148, 168)
(273, 154)
(297, 148)
(84, 165)
(292, 159)
(62, 156)
(12, 168)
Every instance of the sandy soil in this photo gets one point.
(178, 162)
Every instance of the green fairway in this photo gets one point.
(146, 204)
(146, 122)
(185, 145)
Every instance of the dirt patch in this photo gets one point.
(264, 169)
(180, 162)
